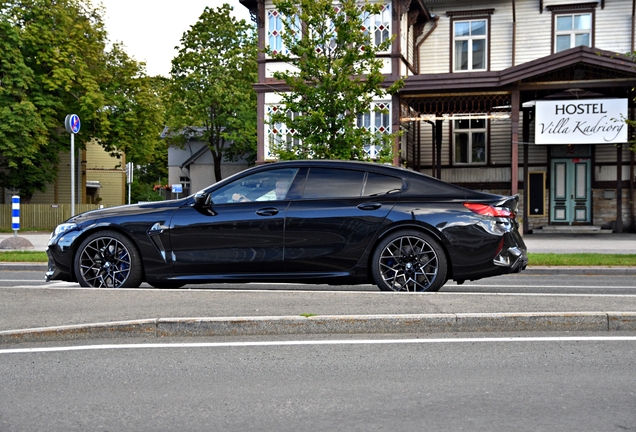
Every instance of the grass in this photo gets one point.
(581, 259)
(535, 259)
(23, 256)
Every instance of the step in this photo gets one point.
(571, 229)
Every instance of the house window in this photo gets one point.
(572, 30)
(329, 36)
(470, 45)
(378, 121)
(185, 183)
(278, 134)
(378, 26)
(470, 141)
(275, 29)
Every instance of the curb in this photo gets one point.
(335, 324)
(24, 266)
(591, 270)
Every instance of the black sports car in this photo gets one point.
(303, 221)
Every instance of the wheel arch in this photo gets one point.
(99, 228)
(424, 228)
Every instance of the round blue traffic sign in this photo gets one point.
(72, 123)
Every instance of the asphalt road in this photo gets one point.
(528, 282)
(24, 305)
(347, 384)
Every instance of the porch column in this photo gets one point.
(439, 127)
(260, 128)
(395, 127)
(619, 188)
(514, 159)
(526, 175)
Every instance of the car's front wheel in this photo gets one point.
(108, 259)
(409, 260)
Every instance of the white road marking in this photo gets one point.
(318, 342)
(74, 287)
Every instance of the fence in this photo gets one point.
(41, 216)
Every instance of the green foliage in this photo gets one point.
(54, 62)
(134, 109)
(211, 95)
(23, 256)
(581, 259)
(336, 75)
(147, 176)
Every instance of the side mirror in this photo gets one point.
(202, 200)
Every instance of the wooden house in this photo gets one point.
(508, 96)
(99, 179)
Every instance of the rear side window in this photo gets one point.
(378, 184)
(333, 183)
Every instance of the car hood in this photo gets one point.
(130, 209)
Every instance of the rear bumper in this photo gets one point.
(514, 258)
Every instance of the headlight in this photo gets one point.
(61, 228)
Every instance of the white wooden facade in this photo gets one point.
(517, 55)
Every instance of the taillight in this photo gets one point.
(488, 210)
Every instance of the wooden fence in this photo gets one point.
(43, 217)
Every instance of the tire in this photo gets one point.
(409, 261)
(108, 259)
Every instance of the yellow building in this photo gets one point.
(99, 179)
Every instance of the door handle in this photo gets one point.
(369, 206)
(269, 211)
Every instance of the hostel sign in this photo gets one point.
(581, 121)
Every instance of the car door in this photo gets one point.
(241, 233)
(328, 229)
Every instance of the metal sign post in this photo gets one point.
(129, 177)
(72, 125)
(177, 188)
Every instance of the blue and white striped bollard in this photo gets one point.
(15, 214)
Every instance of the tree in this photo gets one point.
(54, 62)
(211, 94)
(23, 133)
(334, 78)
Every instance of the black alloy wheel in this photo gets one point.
(107, 259)
(409, 261)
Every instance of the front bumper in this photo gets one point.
(60, 257)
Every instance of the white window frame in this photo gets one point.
(274, 30)
(470, 39)
(572, 32)
(469, 132)
(376, 122)
(185, 182)
(278, 133)
(379, 26)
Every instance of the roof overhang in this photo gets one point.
(622, 66)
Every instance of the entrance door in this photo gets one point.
(570, 191)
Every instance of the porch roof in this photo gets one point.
(577, 67)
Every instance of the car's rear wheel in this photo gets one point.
(108, 259)
(409, 260)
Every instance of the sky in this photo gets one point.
(150, 29)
